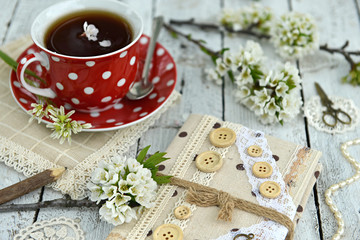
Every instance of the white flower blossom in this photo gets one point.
(271, 107)
(281, 89)
(221, 67)
(90, 31)
(63, 126)
(261, 97)
(213, 75)
(242, 92)
(255, 15)
(105, 43)
(295, 35)
(123, 183)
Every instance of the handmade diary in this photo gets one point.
(249, 174)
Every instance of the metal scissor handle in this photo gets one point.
(248, 236)
(334, 113)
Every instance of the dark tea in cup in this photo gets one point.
(88, 33)
(89, 50)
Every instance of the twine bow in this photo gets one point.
(204, 196)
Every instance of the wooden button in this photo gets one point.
(168, 232)
(254, 151)
(222, 137)
(182, 212)
(262, 170)
(270, 189)
(209, 161)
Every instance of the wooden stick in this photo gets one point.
(30, 184)
(58, 203)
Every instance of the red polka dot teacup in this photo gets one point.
(89, 84)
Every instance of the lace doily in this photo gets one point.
(266, 229)
(313, 110)
(55, 229)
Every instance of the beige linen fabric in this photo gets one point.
(28, 148)
(298, 165)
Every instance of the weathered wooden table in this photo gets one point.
(337, 20)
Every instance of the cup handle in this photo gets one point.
(23, 64)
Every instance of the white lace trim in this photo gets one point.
(55, 229)
(185, 158)
(200, 178)
(73, 182)
(266, 230)
(284, 204)
(313, 110)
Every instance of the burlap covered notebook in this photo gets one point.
(295, 169)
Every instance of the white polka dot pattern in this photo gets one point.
(137, 109)
(67, 106)
(30, 51)
(106, 99)
(73, 76)
(119, 112)
(106, 75)
(153, 95)
(56, 59)
(144, 40)
(23, 61)
(118, 106)
(171, 82)
(17, 84)
(121, 82)
(75, 100)
(160, 52)
(23, 100)
(155, 80)
(88, 90)
(123, 54)
(95, 114)
(132, 61)
(90, 63)
(110, 120)
(60, 86)
(169, 66)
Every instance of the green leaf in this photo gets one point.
(13, 64)
(141, 157)
(231, 76)
(155, 159)
(224, 50)
(188, 36)
(202, 41)
(162, 179)
(174, 34)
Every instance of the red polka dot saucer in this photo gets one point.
(126, 112)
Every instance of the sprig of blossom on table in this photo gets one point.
(63, 126)
(295, 35)
(354, 75)
(126, 186)
(254, 16)
(272, 95)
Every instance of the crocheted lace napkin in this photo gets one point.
(28, 148)
(295, 167)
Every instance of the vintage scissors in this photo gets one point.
(331, 115)
(247, 236)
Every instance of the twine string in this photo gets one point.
(204, 196)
